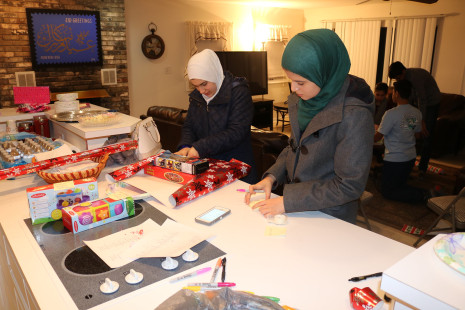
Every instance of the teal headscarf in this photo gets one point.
(319, 56)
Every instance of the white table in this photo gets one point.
(86, 138)
(423, 281)
(308, 268)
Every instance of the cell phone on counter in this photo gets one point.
(212, 216)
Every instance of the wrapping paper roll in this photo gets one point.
(130, 170)
(67, 159)
(219, 174)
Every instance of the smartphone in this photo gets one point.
(212, 216)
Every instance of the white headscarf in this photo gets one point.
(206, 66)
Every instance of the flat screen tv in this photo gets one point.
(251, 65)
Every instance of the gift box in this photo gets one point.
(46, 202)
(95, 213)
(184, 164)
(169, 175)
(219, 174)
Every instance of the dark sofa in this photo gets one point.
(266, 145)
(449, 133)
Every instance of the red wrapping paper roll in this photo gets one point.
(65, 160)
(219, 174)
(130, 170)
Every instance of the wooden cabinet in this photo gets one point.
(263, 113)
(14, 289)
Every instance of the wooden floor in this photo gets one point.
(450, 163)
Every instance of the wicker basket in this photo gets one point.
(70, 176)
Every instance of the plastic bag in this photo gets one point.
(222, 299)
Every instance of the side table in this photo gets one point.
(281, 112)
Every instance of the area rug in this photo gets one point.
(397, 214)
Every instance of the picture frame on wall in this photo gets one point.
(64, 37)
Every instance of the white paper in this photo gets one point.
(146, 240)
(156, 187)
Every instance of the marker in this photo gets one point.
(356, 279)
(192, 274)
(275, 299)
(223, 271)
(247, 191)
(215, 271)
(212, 285)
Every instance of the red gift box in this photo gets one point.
(170, 175)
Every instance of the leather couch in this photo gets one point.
(266, 145)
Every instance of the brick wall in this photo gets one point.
(15, 53)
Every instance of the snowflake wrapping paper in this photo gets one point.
(218, 174)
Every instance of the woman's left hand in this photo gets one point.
(271, 206)
(193, 153)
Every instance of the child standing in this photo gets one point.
(400, 126)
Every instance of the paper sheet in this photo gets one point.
(156, 187)
(146, 240)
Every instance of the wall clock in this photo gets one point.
(152, 45)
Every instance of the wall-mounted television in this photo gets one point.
(248, 64)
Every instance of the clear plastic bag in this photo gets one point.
(222, 299)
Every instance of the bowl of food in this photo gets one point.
(98, 118)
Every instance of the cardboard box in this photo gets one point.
(184, 164)
(46, 202)
(170, 175)
(95, 213)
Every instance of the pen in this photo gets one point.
(356, 279)
(215, 271)
(192, 274)
(223, 271)
(247, 191)
(212, 285)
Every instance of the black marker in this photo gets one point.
(356, 279)
(223, 271)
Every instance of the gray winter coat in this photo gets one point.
(326, 167)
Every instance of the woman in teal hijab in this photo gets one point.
(321, 57)
(326, 165)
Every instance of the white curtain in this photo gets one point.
(208, 31)
(361, 39)
(414, 42)
(409, 40)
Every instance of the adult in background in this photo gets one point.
(326, 165)
(426, 96)
(220, 114)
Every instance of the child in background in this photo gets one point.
(400, 126)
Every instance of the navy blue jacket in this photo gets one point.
(221, 130)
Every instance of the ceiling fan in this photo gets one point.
(420, 1)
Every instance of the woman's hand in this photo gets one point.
(193, 153)
(265, 185)
(270, 206)
(183, 151)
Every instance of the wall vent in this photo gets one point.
(26, 78)
(109, 76)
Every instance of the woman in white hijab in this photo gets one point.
(220, 114)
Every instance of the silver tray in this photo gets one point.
(72, 116)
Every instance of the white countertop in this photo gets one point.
(422, 280)
(125, 125)
(308, 268)
(11, 114)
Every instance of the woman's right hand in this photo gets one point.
(266, 185)
(183, 151)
